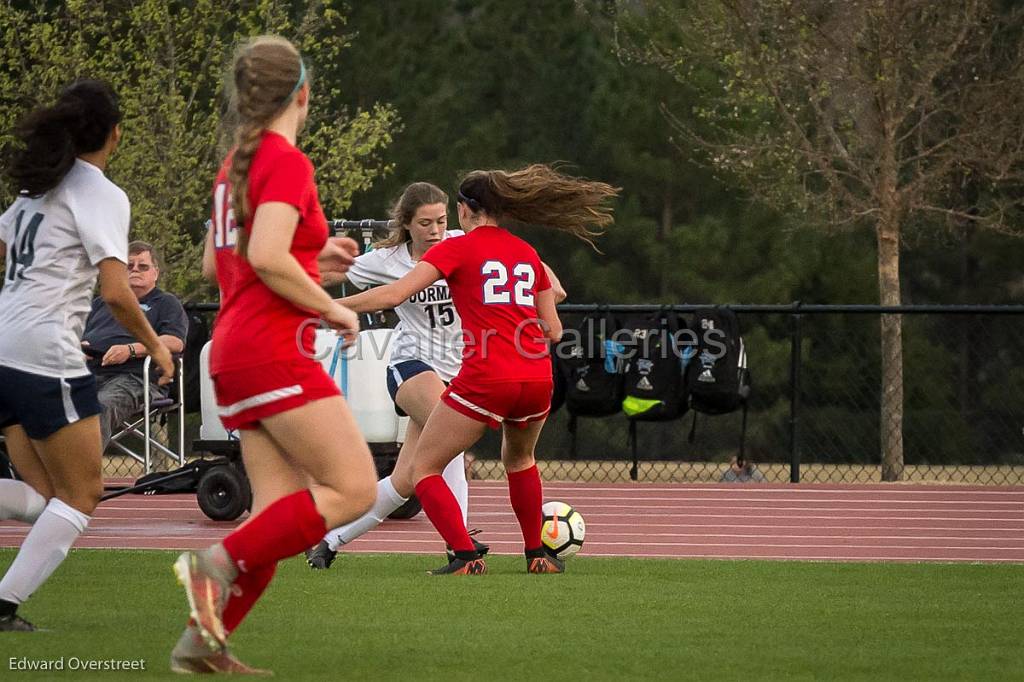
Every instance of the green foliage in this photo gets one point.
(167, 61)
(427, 89)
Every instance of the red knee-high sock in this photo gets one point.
(285, 528)
(444, 512)
(524, 490)
(247, 589)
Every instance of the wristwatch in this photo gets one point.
(131, 351)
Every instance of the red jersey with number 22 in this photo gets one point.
(256, 326)
(494, 278)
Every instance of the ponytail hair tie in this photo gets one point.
(469, 201)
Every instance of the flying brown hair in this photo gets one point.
(541, 195)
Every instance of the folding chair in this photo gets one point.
(155, 409)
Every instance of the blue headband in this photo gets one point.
(302, 79)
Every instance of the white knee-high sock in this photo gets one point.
(20, 501)
(455, 476)
(388, 500)
(43, 550)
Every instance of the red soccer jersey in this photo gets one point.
(255, 326)
(494, 277)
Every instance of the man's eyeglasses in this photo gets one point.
(141, 267)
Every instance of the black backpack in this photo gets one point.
(717, 378)
(557, 383)
(592, 365)
(655, 371)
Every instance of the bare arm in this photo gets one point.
(115, 292)
(556, 284)
(338, 254)
(209, 258)
(331, 278)
(119, 353)
(270, 257)
(548, 315)
(173, 343)
(391, 295)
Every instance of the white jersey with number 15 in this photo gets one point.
(429, 329)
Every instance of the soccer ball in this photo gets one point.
(563, 529)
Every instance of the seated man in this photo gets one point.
(115, 358)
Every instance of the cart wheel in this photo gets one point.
(408, 510)
(223, 493)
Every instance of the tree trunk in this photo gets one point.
(888, 233)
(664, 229)
(965, 346)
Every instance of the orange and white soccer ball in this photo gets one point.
(563, 530)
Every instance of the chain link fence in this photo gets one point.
(119, 465)
(815, 411)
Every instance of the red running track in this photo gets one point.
(804, 522)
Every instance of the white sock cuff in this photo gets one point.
(386, 490)
(455, 476)
(65, 511)
(455, 472)
(388, 500)
(25, 504)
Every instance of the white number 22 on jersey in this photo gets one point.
(223, 218)
(496, 283)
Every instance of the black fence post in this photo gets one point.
(634, 469)
(797, 338)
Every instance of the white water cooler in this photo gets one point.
(360, 372)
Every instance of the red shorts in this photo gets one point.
(245, 396)
(514, 404)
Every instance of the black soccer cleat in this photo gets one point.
(542, 561)
(464, 565)
(481, 548)
(320, 557)
(15, 623)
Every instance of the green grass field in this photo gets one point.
(380, 618)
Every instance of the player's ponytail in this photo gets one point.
(79, 122)
(540, 195)
(267, 72)
(404, 209)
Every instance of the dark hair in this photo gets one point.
(414, 196)
(267, 72)
(79, 122)
(138, 247)
(540, 195)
